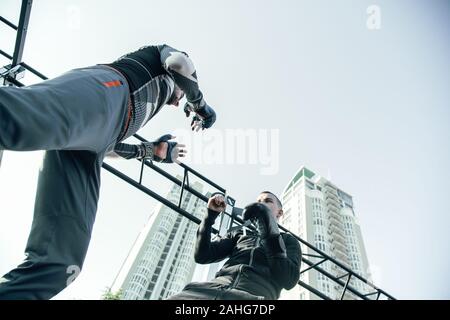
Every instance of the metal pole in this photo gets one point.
(345, 287)
(14, 82)
(332, 277)
(182, 188)
(3, 53)
(340, 265)
(32, 70)
(194, 172)
(152, 194)
(7, 22)
(176, 181)
(314, 290)
(26, 66)
(22, 31)
(199, 175)
(313, 266)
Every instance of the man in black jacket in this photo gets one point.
(261, 263)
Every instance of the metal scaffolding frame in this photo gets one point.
(12, 73)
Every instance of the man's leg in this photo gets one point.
(199, 291)
(64, 214)
(212, 291)
(83, 109)
(236, 294)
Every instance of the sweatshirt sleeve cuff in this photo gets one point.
(211, 217)
(145, 150)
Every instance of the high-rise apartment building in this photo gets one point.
(323, 214)
(161, 261)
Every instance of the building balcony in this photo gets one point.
(335, 221)
(339, 237)
(331, 200)
(334, 204)
(334, 208)
(335, 229)
(339, 233)
(338, 241)
(341, 258)
(330, 191)
(333, 213)
(330, 194)
(340, 255)
(336, 247)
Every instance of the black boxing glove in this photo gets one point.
(267, 227)
(207, 116)
(203, 114)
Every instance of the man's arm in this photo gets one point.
(282, 252)
(162, 150)
(285, 269)
(128, 151)
(207, 251)
(182, 69)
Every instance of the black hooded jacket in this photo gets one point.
(251, 264)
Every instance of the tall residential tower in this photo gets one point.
(323, 215)
(161, 261)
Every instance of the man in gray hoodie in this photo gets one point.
(78, 118)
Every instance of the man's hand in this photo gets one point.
(217, 203)
(268, 229)
(196, 124)
(168, 151)
(265, 221)
(204, 118)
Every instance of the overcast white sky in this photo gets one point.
(370, 108)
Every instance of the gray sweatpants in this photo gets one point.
(77, 117)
